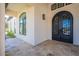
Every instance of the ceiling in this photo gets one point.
(13, 9)
(17, 6)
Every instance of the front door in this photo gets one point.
(62, 27)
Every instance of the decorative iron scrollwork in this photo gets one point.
(58, 5)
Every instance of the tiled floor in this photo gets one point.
(16, 47)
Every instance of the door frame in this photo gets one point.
(58, 26)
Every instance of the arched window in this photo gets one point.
(22, 24)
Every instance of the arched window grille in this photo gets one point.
(22, 24)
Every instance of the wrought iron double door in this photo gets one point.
(62, 27)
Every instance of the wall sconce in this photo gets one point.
(43, 16)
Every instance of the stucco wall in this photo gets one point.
(73, 8)
(2, 29)
(40, 24)
(29, 37)
(36, 27)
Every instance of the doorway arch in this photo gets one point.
(62, 27)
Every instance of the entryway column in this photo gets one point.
(2, 29)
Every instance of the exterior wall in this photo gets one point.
(2, 29)
(29, 37)
(40, 24)
(73, 8)
(36, 27)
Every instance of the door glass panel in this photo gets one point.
(66, 26)
(55, 29)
